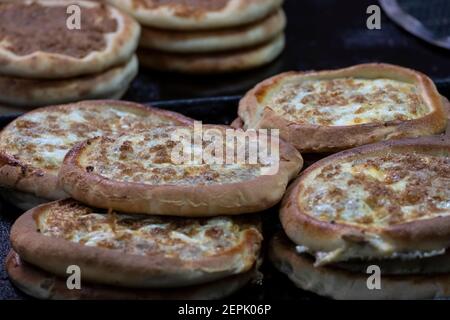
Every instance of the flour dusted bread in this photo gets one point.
(345, 285)
(240, 37)
(46, 48)
(33, 146)
(140, 173)
(215, 62)
(29, 93)
(197, 14)
(135, 251)
(340, 109)
(381, 201)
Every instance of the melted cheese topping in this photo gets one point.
(187, 239)
(149, 158)
(42, 139)
(348, 101)
(379, 190)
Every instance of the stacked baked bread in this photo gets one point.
(48, 60)
(139, 225)
(372, 222)
(207, 36)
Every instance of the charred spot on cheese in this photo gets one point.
(148, 157)
(42, 139)
(187, 239)
(379, 190)
(349, 101)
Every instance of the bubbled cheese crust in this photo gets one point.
(333, 110)
(384, 200)
(349, 101)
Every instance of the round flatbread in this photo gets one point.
(30, 93)
(333, 110)
(46, 48)
(153, 172)
(33, 146)
(214, 40)
(197, 14)
(134, 250)
(343, 285)
(219, 62)
(43, 285)
(385, 200)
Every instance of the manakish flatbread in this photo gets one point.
(214, 62)
(30, 93)
(340, 109)
(380, 201)
(197, 14)
(46, 48)
(134, 250)
(138, 173)
(214, 40)
(33, 146)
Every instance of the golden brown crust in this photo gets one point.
(121, 45)
(214, 40)
(16, 173)
(197, 14)
(43, 285)
(193, 199)
(33, 93)
(255, 112)
(351, 240)
(155, 269)
(216, 62)
(343, 285)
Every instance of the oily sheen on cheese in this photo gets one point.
(348, 101)
(187, 239)
(42, 139)
(379, 191)
(148, 158)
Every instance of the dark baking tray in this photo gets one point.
(218, 110)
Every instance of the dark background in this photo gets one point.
(321, 34)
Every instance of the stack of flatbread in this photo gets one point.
(372, 221)
(207, 36)
(66, 51)
(134, 222)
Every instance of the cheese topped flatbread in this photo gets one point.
(333, 110)
(178, 171)
(135, 251)
(386, 200)
(34, 145)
